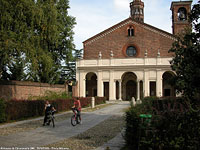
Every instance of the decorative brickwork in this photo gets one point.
(114, 39)
(180, 18)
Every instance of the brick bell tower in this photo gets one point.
(180, 10)
(137, 10)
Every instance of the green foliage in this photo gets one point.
(2, 111)
(132, 131)
(49, 95)
(23, 109)
(100, 100)
(173, 125)
(186, 62)
(36, 34)
(69, 71)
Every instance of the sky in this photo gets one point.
(95, 16)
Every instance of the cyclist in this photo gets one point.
(48, 108)
(77, 107)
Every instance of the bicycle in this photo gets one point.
(51, 118)
(75, 119)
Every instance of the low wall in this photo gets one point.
(25, 89)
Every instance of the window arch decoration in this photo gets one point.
(131, 50)
(131, 31)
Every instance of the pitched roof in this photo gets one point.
(125, 22)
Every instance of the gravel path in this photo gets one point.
(101, 124)
(94, 137)
(31, 125)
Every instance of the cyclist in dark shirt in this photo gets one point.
(48, 108)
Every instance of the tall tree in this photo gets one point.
(69, 70)
(16, 19)
(186, 62)
(40, 32)
(47, 34)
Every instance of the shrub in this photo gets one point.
(100, 100)
(174, 125)
(22, 109)
(85, 101)
(62, 104)
(132, 128)
(50, 95)
(2, 111)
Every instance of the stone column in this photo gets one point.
(159, 83)
(146, 82)
(138, 90)
(99, 84)
(82, 84)
(111, 86)
(120, 89)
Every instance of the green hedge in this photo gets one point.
(132, 129)
(100, 100)
(174, 125)
(22, 109)
(2, 111)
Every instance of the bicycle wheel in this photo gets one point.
(73, 120)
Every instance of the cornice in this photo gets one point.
(140, 67)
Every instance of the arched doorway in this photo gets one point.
(130, 89)
(91, 84)
(168, 88)
(129, 86)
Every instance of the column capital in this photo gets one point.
(119, 80)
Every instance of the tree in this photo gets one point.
(186, 62)
(40, 33)
(16, 20)
(69, 70)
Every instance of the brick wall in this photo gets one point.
(146, 38)
(179, 26)
(24, 89)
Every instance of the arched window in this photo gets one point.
(182, 14)
(131, 31)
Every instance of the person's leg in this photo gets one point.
(45, 119)
(79, 115)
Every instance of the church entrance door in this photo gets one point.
(129, 86)
(130, 89)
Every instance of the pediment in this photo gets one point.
(126, 22)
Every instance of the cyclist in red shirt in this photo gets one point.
(77, 106)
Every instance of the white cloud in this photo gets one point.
(121, 4)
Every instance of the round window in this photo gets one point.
(131, 51)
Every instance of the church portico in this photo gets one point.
(113, 81)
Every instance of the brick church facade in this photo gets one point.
(131, 59)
